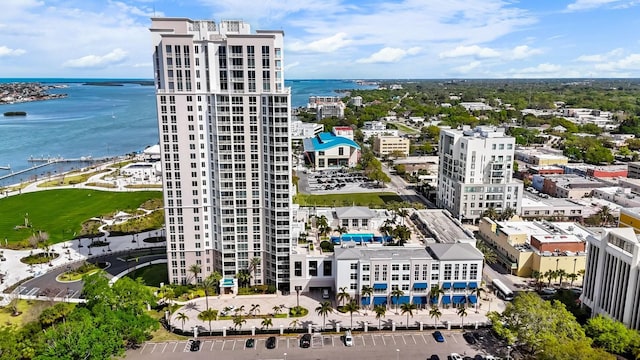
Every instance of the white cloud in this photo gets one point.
(388, 55)
(580, 5)
(325, 45)
(464, 69)
(138, 11)
(545, 70)
(631, 62)
(291, 65)
(523, 52)
(5, 51)
(472, 50)
(601, 57)
(98, 61)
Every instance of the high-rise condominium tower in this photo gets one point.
(475, 172)
(223, 117)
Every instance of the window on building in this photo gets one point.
(327, 268)
(297, 266)
(313, 268)
(447, 272)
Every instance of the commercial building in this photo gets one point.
(327, 106)
(301, 130)
(327, 150)
(565, 186)
(630, 217)
(386, 145)
(611, 285)
(633, 170)
(475, 172)
(526, 246)
(555, 208)
(538, 157)
(224, 123)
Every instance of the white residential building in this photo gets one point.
(475, 172)
(224, 122)
(612, 279)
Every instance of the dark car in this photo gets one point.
(469, 338)
(478, 357)
(271, 342)
(438, 336)
(305, 341)
(478, 335)
(250, 343)
(195, 345)
(434, 357)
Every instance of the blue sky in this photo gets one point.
(348, 39)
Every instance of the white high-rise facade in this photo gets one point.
(223, 116)
(475, 172)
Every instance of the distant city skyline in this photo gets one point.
(339, 39)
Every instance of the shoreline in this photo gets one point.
(22, 92)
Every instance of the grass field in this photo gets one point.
(373, 200)
(151, 275)
(30, 311)
(60, 213)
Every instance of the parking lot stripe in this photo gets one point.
(394, 340)
(373, 339)
(143, 347)
(454, 338)
(424, 339)
(174, 347)
(363, 342)
(234, 346)
(414, 339)
(154, 347)
(164, 347)
(383, 341)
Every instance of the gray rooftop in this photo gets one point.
(358, 252)
(354, 212)
(459, 251)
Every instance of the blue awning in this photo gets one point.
(420, 285)
(365, 300)
(473, 285)
(473, 299)
(446, 299)
(400, 300)
(434, 300)
(459, 299)
(446, 285)
(379, 300)
(419, 300)
(380, 286)
(459, 285)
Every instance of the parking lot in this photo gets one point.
(331, 180)
(410, 345)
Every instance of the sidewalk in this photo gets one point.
(366, 315)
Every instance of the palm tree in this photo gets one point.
(254, 308)
(462, 312)
(605, 214)
(402, 233)
(226, 310)
(182, 317)
(555, 274)
(253, 265)
(216, 277)
(323, 310)
(561, 274)
(435, 293)
(276, 310)
(343, 295)
(238, 321)
(294, 324)
(491, 213)
(435, 314)
(195, 269)
(351, 307)
(244, 277)
(538, 276)
(407, 308)
(208, 315)
(581, 273)
(403, 213)
(239, 310)
(477, 292)
(387, 227)
(549, 274)
(208, 284)
(396, 293)
(367, 291)
(507, 213)
(380, 311)
(267, 323)
(341, 230)
(573, 277)
(490, 256)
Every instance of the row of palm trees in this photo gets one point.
(238, 318)
(550, 275)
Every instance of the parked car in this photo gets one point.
(325, 293)
(194, 345)
(249, 343)
(348, 339)
(271, 342)
(455, 356)
(548, 291)
(438, 336)
(434, 357)
(478, 335)
(469, 338)
(305, 341)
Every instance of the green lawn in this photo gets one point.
(405, 129)
(151, 275)
(64, 210)
(373, 200)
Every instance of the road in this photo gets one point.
(47, 285)
(405, 190)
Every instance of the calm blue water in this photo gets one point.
(99, 121)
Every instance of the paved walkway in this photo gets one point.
(268, 302)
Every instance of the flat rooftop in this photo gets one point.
(442, 226)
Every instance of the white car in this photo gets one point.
(348, 339)
(455, 356)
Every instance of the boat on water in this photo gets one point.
(8, 167)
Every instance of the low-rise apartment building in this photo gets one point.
(327, 150)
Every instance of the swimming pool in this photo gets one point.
(360, 238)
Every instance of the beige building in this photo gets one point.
(385, 145)
(525, 246)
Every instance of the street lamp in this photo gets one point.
(397, 354)
(285, 356)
